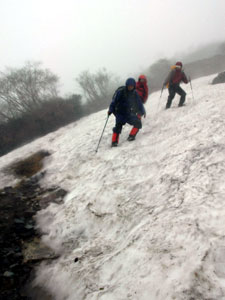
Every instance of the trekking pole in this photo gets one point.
(102, 134)
(161, 92)
(160, 97)
(191, 89)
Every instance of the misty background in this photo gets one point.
(62, 60)
(124, 37)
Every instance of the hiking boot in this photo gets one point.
(168, 104)
(133, 134)
(131, 138)
(114, 144)
(115, 139)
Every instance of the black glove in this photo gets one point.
(144, 114)
(109, 113)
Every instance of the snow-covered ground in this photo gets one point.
(145, 220)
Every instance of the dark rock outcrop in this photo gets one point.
(220, 78)
(20, 246)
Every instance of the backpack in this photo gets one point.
(173, 67)
(121, 88)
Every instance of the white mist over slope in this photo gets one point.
(146, 219)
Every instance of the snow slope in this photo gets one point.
(145, 220)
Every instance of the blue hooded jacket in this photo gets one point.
(126, 103)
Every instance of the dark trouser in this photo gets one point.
(132, 120)
(173, 89)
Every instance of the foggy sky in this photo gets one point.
(124, 36)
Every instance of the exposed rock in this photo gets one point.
(20, 246)
(35, 250)
(55, 196)
(220, 78)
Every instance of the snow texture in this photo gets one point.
(145, 220)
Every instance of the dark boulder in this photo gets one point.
(220, 78)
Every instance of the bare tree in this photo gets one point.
(97, 88)
(22, 90)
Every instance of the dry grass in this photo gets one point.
(30, 165)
